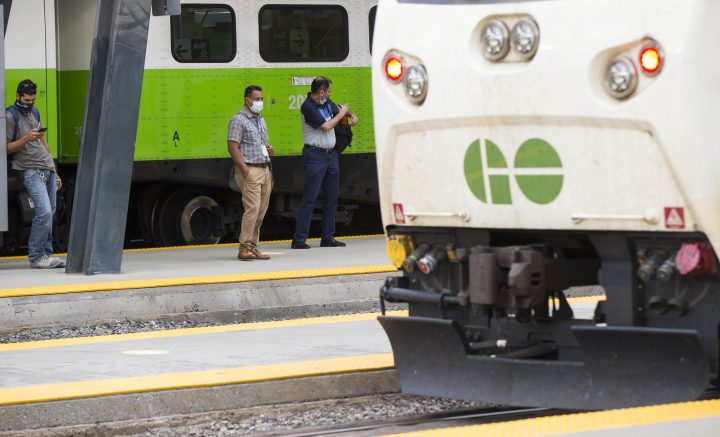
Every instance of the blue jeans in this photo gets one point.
(42, 187)
(322, 170)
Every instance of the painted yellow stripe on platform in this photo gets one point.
(584, 422)
(200, 246)
(206, 378)
(224, 328)
(195, 331)
(193, 280)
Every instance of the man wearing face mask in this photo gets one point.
(250, 151)
(319, 116)
(29, 153)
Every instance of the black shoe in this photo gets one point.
(299, 245)
(331, 243)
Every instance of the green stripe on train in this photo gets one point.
(184, 112)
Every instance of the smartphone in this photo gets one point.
(42, 129)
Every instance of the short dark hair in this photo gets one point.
(249, 90)
(320, 83)
(27, 87)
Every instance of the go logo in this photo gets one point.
(537, 170)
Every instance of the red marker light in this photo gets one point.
(394, 68)
(650, 60)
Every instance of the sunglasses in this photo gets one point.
(27, 87)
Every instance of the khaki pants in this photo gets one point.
(255, 189)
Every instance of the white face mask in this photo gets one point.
(323, 101)
(257, 106)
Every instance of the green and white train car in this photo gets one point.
(197, 67)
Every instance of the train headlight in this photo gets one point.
(394, 68)
(621, 78)
(416, 83)
(494, 40)
(525, 36)
(651, 60)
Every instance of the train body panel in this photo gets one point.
(657, 161)
(185, 107)
(528, 147)
(197, 67)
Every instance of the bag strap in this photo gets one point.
(36, 112)
(16, 116)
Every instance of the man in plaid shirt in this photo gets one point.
(250, 152)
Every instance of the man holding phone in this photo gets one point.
(29, 153)
(319, 115)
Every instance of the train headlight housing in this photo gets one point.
(524, 37)
(494, 40)
(416, 83)
(621, 78)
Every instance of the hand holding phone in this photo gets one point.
(42, 129)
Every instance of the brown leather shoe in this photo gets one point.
(246, 254)
(260, 255)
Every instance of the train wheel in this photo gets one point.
(186, 216)
(198, 221)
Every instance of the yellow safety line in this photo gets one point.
(220, 329)
(224, 328)
(200, 246)
(194, 331)
(192, 280)
(205, 378)
(584, 422)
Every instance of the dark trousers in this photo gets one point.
(321, 170)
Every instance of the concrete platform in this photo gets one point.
(193, 265)
(202, 283)
(82, 380)
(193, 370)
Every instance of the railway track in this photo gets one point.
(425, 422)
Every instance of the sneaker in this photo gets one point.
(59, 263)
(299, 245)
(331, 243)
(47, 262)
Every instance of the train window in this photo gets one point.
(303, 33)
(203, 33)
(371, 23)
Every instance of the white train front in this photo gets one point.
(527, 147)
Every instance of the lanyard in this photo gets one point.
(326, 112)
(257, 123)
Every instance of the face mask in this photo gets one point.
(25, 108)
(257, 106)
(323, 101)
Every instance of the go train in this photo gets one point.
(197, 67)
(528, 147)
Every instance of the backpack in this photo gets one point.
(343, 137)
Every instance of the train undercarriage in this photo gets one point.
(183, 202)
(489, 320)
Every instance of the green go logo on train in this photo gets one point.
(537, 171)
